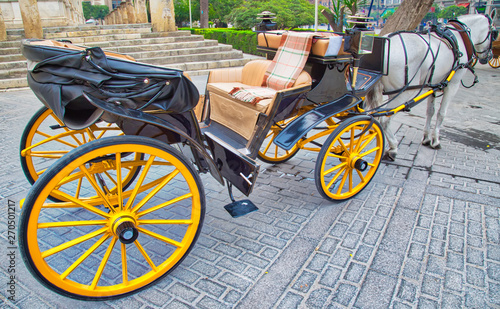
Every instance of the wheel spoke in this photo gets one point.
(160, 237)
(360, 140)
(119, 186)
(145, 255)
(73, 242)
(351, 142)
(335, 178)
(160, 221)
(139, 182)
(78, 188)
(84, 256)
(369, 138)
(350, 180)
(368, 152)
(361, 176)
(334, 168)
(167, 203)
(155, 190)
(79, 203)
(46, 225)
(342, 182)
(103, 263)
(343, 146)
(124, 264)
(96, 187)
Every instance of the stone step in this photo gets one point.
(12, 57)
(166, 34)
(20, 31)
(10, 65)
(99, 32)
(13, 83)
(13, 73)
(200, 51)
(166, 46)
(137, 42)
(234, 54)
(10, 50)
(10, 44)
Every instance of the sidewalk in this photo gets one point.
(424, 234)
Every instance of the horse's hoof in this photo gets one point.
(426, 142)
(438, 146)
(389, 157)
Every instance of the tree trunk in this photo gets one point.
(408, 16)
(203, 13)
(336, 26)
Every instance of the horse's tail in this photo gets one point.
(374, 97)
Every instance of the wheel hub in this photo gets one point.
(124, 227)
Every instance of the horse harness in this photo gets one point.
(444, 32)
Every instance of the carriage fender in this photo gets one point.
(138, 115)
(299, 127)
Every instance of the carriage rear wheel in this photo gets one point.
(349, 158)
(46, 139)
(99, 244)
(271, 153)
(495, 62)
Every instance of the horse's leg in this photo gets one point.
(449, 92)
(392, 152)
(427, 129)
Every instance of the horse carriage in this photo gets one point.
(115, 155)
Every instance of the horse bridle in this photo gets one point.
(492, 35)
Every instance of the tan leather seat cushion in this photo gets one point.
(319, 46)
(239, 116)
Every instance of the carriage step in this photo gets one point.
(240, 208)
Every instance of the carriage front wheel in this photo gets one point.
(271, 153)
(349, 158)
(96, 244)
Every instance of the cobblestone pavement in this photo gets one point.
(424, 234)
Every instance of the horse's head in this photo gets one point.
(482, 34)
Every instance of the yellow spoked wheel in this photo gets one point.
(46, 139)
(270, 152)
(495, 62)
(349, 158)
(98, 244)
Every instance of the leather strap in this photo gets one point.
(469, 47)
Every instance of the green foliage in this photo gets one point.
(289, 13)
(244, 40)
(86, 10)
(182, 11)
(432, 16)
(452, 12)
(220, 9)
(94, 11)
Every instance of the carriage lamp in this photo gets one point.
(267, 22)
(358, 41)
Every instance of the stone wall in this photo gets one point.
(52, 12)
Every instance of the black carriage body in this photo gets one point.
(59, 77)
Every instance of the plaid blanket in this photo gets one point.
(252, 95)
(283, 71)
(289, 60)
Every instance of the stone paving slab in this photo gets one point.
(425, 233)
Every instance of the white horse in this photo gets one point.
(428, 61)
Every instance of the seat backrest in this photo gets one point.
(254, 71)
